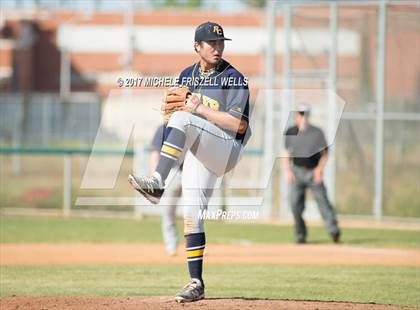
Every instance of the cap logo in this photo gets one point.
(217, 30)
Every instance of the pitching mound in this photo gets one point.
(128, 303)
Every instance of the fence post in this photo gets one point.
(380, 91)
(332, 104)
(67, 184)
(286, 102)
(270, 72)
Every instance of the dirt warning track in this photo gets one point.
(153, 253)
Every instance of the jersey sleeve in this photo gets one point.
(157, 140)
(287, 139)
(287, 143)
(237, 99)
(289, 132)
(322, 142)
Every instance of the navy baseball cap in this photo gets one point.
(209, 31)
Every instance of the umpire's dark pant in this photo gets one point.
(304, 180)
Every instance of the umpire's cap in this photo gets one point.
(303, 108)
(209, 31)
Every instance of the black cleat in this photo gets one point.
(335, 237)
(300, 241)
(193, 291)
(148, 186)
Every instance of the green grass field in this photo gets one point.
(27, 229)
(384, 285)
(378, 284)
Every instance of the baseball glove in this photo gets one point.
(178, 99)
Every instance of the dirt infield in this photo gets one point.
(123, 253)
(128, 303)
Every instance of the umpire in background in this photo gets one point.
(304, 161)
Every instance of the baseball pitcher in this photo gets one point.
(207, 127)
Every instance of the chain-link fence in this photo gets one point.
(353, 69)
